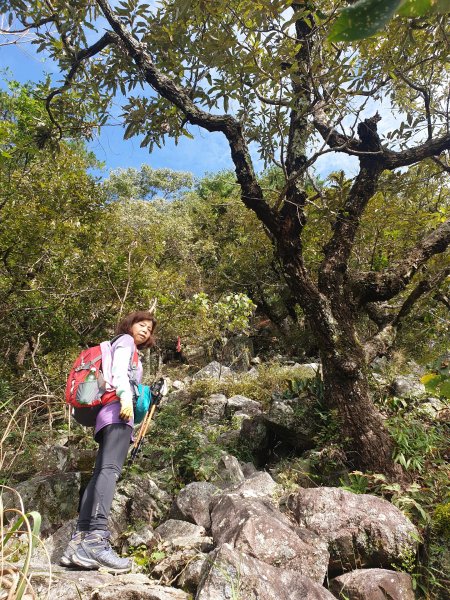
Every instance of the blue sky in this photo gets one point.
(206, 153)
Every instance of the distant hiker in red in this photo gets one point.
(89, 546)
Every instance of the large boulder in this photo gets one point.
(373, 584)
(255, 527)
(52, 548)
(193, 502)
(55, 497)
(72, 584)
(232, 574)
(214, 370)
(361, 530)
(137, 500)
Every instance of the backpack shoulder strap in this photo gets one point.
(134, 361)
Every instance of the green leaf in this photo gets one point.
(444, 389)
(363, 19)
(420, 8)
(414, 8)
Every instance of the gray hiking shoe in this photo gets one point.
(75, 541)
(95, 552)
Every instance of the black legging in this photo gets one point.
(114, 441)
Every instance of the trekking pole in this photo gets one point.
(158, 390)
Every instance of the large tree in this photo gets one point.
(266, 72)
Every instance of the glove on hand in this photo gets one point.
(126, 406)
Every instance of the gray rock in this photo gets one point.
(257, 528)
(244, 405)
(253, 373)
(257, 485)
(309, 369)
(432, 407)
(137, 500)
(407, 386)
(415, 369)
(361, 530)
(255, 360)
(192, 503)
(55, 497)
(143, 592)
(254, 434)
(190, 576)
(142, 537)
(173, 565)
(238, 418)
(178, 385)
(379, 379)
(51, 458)
(281, 413)
(248, 469)
(228, 439)
(228, 472)
(373, 584)
(292, 422)
(214, 370)
(72, 584)
(81, 459)
(214, 408)
(182, 535)
(379, 364)
(53, 547)
(231, 574)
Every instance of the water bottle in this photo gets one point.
(92, 375)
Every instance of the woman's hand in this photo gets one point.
(126, 406)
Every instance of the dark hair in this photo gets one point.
(127, 323)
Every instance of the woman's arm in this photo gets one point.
(122, 353)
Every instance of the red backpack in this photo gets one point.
(86, 386)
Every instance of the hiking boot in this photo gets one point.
(75, 540)
(95, 552)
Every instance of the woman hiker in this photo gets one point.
(89, 546)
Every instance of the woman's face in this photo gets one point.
(141, 332)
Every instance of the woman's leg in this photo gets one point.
(114, 442)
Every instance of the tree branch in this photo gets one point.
(429, 149)
(443, 166)
(426, 98)
(252, 194)
(292, 213)
(266, 100)
(338, 249)
(336, 140)
(443, 299)
(423, 287)
(79, 57)
(374, 286)
(380, 343)
(28, 26)
(389, 159)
